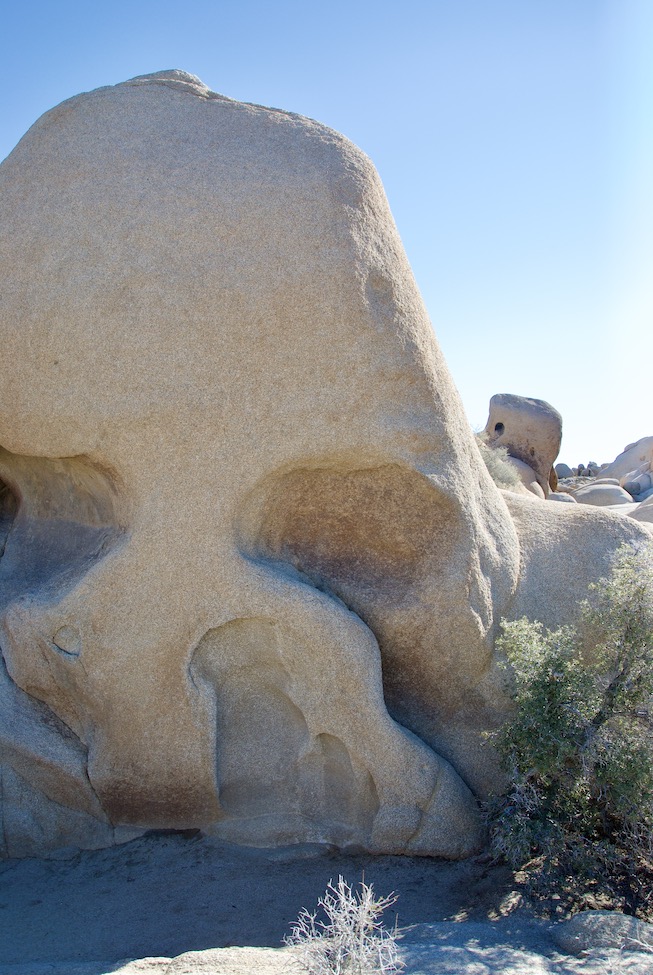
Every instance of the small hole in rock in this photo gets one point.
(499, 428)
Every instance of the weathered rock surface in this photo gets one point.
(237, 450)
(602, 494)
(240, 587)
(561, 496)
(593, 930)
(639, 482)
(644, 511)
(630, 459)
(528, 479)
(623, 493)
(553, 576)
(530, 429)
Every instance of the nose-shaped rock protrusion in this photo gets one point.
(393, 546)
(333, 734)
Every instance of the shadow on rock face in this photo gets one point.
(253, 560)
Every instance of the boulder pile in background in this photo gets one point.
(624, 486)
(530, 430)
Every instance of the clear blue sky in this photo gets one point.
(514, 139)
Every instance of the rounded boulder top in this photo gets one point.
(177, 78)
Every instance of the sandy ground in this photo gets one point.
(180, 904)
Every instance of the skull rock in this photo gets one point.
(231, 453)
(241, 588)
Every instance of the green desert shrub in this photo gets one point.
(578, 749)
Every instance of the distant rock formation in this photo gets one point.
(531, 432)
(527, 427)
(624, 486)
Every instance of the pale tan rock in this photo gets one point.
(590, 931)
(602, 494)
(530, 429)
(555, 576)
(239, 572)
(623, 509)
(630, 459)
(644, 511)
(236, 961)
(638, 483)
(230, 428)
(528, 483)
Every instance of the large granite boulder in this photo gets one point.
(231, 452)
(644, 511)
(596, 930)
(634, 457)
(241, 588)
(602, 494)
(531, 431)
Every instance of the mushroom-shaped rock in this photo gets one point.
(531, 431)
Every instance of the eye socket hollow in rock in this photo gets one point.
(353, 532)
(499, 428)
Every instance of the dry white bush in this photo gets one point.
(349, 937)
(496, 460)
